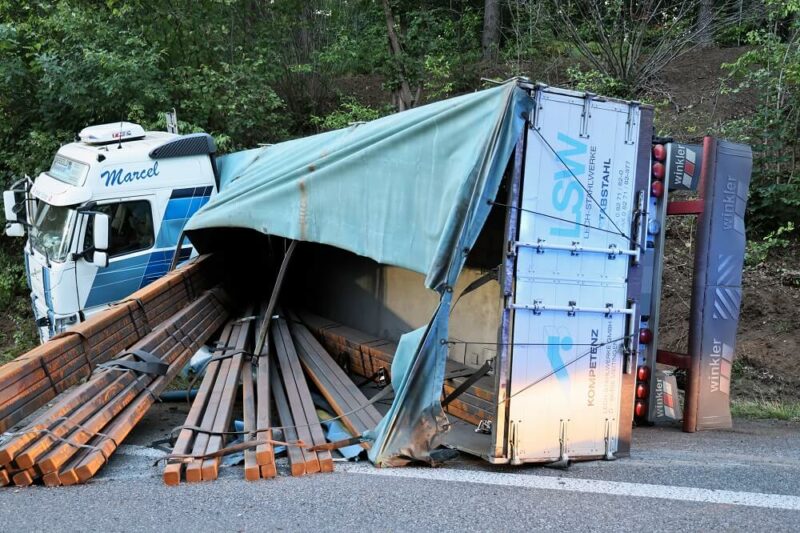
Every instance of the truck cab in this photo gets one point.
(106, 218)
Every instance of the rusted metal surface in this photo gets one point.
(265, 454)
(211, 413)
(299, 399)
(38, 376)
(365, 356)
(72, 440)
(252, 471)
(341, 393)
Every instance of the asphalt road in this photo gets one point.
(744, 479)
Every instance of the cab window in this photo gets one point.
(131, 227)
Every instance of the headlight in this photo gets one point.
(64, 323)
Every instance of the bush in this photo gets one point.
(349, 112)
(758, 250)
(771, 70)
(596, 82)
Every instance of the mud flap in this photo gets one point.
(717, 289)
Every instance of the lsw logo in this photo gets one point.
(116, 176)
(568, 194)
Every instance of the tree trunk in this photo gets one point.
(490, 40)
(705, 23)
(402, 97)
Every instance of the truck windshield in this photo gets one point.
(52, 230)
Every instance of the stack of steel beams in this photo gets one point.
(69, 442)
(37, 377)
(366, 355)
(210, 416)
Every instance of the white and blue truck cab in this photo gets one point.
(107, 216)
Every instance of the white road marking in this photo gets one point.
(593, 486)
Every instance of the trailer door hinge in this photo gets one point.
(586, 114)
(630, 124)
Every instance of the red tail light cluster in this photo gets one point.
(642, 391)
(657, 189)
(658, 171)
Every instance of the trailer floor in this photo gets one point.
(752, 473)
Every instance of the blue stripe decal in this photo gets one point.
(160, 262)
(182, 205)
(117, 280)
(157, 266)
(191, 191)
(120, 279)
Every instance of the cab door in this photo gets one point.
(132, 258)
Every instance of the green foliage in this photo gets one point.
(441, 50)
(758, 250)
(770, 70)
(12, 280)
(764, 409)
(70, 63)
(449, 48)
(594, 81)
(349, 112)
(17, 330)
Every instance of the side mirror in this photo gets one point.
(100, 259)
(10, 206)
(100, 233)
(15, 230)
(13, 227)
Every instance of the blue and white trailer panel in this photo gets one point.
(571, 318)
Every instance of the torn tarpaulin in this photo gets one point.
(410, 190)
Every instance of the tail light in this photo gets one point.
(657, 189)
(645, 336)
(641, 391)
(640, 409)
(643, 373)
(658, 171)
(659, 152)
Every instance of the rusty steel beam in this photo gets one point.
(78, 429)
(38, 376)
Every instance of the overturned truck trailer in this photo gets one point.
(498, 242)
(496, 257)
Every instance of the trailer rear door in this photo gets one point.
(574, 248)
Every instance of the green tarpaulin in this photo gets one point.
(411, 190)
